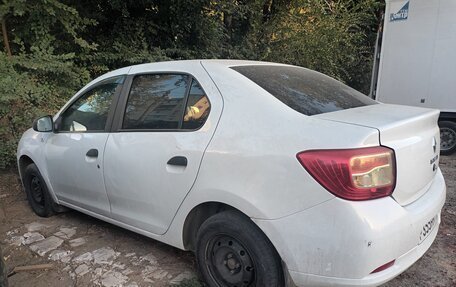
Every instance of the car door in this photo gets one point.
(74, 153)
(152, 161)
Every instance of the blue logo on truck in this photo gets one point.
(402, 14)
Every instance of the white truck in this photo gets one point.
(415, 60)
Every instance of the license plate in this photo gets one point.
(427, 228)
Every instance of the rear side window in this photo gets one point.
(303, 90)
(156, 102)
(165, 102)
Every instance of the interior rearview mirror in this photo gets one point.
(43, 124)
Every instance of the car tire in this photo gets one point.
(447, 137)
(232, 251)
(37, 192)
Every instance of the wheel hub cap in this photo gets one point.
(36, 190)
(229, 262)
(448, 138)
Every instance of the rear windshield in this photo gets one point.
(303, 90)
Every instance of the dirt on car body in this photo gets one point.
(88, 252)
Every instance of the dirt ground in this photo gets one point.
(88, 252)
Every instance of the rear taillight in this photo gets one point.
(353, 174)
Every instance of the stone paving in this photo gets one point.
(105, 266)
(89, 252)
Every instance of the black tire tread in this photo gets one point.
(233, 223)
(48, 209)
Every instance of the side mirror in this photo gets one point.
(43, 124)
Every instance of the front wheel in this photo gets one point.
(447, 137)
(233, 252)
(37, 192)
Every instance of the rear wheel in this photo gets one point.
(233, 252)
(37, 192)
(447, 137)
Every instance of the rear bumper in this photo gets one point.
(339, 242)
(400, 265)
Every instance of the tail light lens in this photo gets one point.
(353, 174)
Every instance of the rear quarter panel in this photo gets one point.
(251, 162)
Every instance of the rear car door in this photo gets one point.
(74, 153)
(165, 121)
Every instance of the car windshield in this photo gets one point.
(304, 90)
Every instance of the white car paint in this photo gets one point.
(398, 130)
(74, 177)
(362, 236)
(135, 161)
(245, 157)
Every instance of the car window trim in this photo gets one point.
(187, 93)
(120, 104)
(125, 93)
(111, 110)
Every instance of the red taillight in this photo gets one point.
(384, 266)
(353, 174)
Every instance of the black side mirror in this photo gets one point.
(43, 124)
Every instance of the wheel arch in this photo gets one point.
(23, 162)
(197, 216)
(447, 116)
(201, 213)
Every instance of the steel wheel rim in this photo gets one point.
(229, 263)
(36, 190)
(447, 138)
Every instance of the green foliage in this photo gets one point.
(30, 86)
(333, 37)
(58, 45)
(42, 72)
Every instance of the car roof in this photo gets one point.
(219, 63)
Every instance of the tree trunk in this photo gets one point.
(5, 38)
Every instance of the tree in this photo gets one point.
(53, 47)
(333, 37)
(40, 69)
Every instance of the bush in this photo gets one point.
(32, 86)
(51, 50)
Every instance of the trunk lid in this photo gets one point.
(414, 135)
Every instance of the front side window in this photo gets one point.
(156, 102)
(90, 111)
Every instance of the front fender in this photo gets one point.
(31, 145)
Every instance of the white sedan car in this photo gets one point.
(272, 174)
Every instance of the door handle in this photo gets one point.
(178, 160)
(92, 153)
